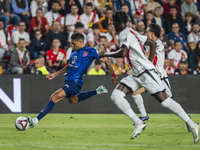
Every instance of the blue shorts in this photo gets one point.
(71, 89)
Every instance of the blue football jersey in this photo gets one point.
(80, 61)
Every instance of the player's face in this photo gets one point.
(77, 44)
(149, 33)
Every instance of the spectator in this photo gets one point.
(40, 68)
(158, 17)
(105, 21)
(149, 19)
(194, 37)
(151, 5)
(6, 15)
(188, 23)
(188, 6)
(173, 18)
(104, 4)
(56, 57)
(93, 37)
(55, 33)
(35, 4)
(79, 28)
(196, 71)
(112, 37)
(182, 68)
(131, 22)
(176, 54)
(139, 8)
(95, 5)
(72, 18)
(168, 5)
(53, 15)
(21, 9)
(121, 68)
(194, 57)
(176, 35)
(5, 43)
(39, 22)
(97, 69)
(141, 28)
(69, 4)
(38, 44)
(169, 70)
(19, 59)
(63, 9)
(88, 18)
(118, 3)
(21, 33)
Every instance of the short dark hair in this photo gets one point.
(79, 25)
(175, 23)
(1, 20)
(55, 2)
(172, 7)
(77, 36)
(21, 22)
(120, 17)
(155, 28)
(21, 39)
(109, 8)
(195, 24)
(150, 12)
(102, 37)
(39, 9)
(56, 39)
(122, 5)
(95, 26)
(177, 41)
(74, 5)
(38, 30)
(89, 4)
(97, 62)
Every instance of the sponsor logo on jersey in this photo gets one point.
(85, 54)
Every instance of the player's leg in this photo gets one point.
(137, 97)
(55, 97)
(118, 98)
(85, 95)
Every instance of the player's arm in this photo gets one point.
(60, 72)
(152, 50)
(122, 52)
(110, 68)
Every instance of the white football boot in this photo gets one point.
(195, 133)
(138, 129)
(101, 90)
(32, 121)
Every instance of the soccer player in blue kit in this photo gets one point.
(80, 60)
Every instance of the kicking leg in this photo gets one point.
(137, 97)
(118, 98)
(178, 110)
(55, 97)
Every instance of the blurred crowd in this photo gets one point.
(35, 35)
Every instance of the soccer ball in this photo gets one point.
(21, 123)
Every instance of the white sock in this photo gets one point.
(36, 120)
(178, 110)
(118, 98)
(140, 104)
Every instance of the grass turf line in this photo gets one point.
(96, 132)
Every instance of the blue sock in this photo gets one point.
(50, 105)
(85, 95)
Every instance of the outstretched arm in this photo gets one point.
(152, 50)
(109, 66)
(122, 52)
(60, 72)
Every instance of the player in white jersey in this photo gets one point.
(143, 75)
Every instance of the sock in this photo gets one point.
(178, 110)
(118, 98)
(140, 105)
(46, 110)
(85, 95)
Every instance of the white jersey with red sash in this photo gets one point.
(169, 70)
(89, 21)
(51, 17)
(139, 5)
(177, 56)
(72, 20)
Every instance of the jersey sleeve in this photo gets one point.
(190, 38)
(124, 40)
(171, 55)
(95, 54)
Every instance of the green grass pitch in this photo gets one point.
(96, 132)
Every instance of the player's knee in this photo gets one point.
(73, 100)
(117, 94)
(54, 98)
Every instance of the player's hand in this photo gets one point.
(50, 76)
(114, 79)
(101, 54)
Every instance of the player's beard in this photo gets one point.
(55, 11)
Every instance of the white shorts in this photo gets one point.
(165, 82)
(149, 79)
